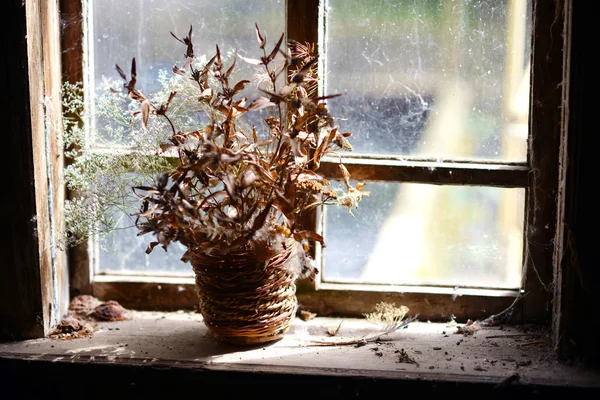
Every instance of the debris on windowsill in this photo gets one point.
(386, 314)
(332, 331)
(306, 315)
(368, 339)
(469, 328)
(84, 310)
(72, 327)
(404, 358)
(111, 311)
(83, 305)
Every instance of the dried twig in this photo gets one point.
(509, 336)
(365, 340)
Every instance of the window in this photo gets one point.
(437, 94)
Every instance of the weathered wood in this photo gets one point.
(53, 142)
(302, 25)
(429, 306)
(72, 41)
(167, 294)
(72, 37)
(147, 294)
(33, 280)
(174, 355)
(302, 20)
(544, 140)
(437, 173)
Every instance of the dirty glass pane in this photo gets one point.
(141, 29)
(123, 29)
(421, 234)
(122, 250)
(431, 78)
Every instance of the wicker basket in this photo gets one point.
(245, 301)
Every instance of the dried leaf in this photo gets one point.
(254, 135)
(182, 73)
(345, 175)
(252, 61)
(231, 68)
(276, 48)
(300, 75)
(309, 235)
(240, 86)
(322, 147)
(151, 247)
(259, 221)
(262, 41)
(260, 103)
(220, 193)
(207, 93)
(133, 69)
(120, 71)
(172, 34)
(145, 112)
(307, 175)
(188, 61)
(306, 315)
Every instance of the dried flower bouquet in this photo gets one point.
(239, 192)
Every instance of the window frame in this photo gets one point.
(545, 140)
(33, 272)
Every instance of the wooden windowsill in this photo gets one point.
(179, 343)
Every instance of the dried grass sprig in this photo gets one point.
(393, 327)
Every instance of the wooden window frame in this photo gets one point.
(33, 272)
(539, 175)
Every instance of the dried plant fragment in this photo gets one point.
(111, 311)
(387, 313)
(306, 315)
(333, 330)
(72, 327)
(83, 305)
(404, 358)
(469, 328)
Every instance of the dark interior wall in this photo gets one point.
(581, 272)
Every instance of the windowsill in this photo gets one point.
(174, 342)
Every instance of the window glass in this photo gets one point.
(427, 235)
(431, 78)
(141, 29)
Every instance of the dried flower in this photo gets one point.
(244, 170)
